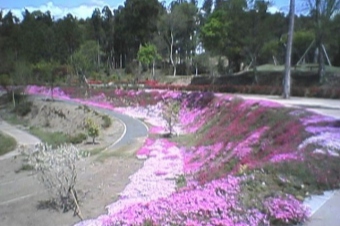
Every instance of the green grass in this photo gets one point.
(186, 140)
(96, 151)
(301, 68)
(51, 138)
(7, 144)
(333, 69)
(14, 119)
(122, 152)
(25, 167)
(270, 67)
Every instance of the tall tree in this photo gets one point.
(68, 37)
(322, 11)
(207, 7)
(258, 31)
(178, 27)
(108, 40)
(287, 80)
(147, 54)
(37, 38)
(140, 23)
(9, 41)
(98, 33)
(224, 32)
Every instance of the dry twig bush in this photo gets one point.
(56, 170)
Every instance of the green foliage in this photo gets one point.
(107, 122)
(52, 138)
(148, 54)
(22, 73)
(270, 49)
(243, 31)
(5, 80)
(84, 60)
(92, 129)
(7, 144)
(181, 181)
(214, 33)
(23, 108)
(77, 139)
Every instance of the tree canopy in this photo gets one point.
(243, 32)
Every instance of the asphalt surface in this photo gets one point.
(327, 107)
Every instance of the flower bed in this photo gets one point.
(251, 162)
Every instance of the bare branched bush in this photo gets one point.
(170, 113)
(56, 170)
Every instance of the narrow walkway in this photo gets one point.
(22, 138)
(327, 107)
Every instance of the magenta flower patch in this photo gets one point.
(234, 137)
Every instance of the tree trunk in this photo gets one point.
(321, 62)
(196, 69)
(98, 56)
(153, 69)
(13, 97)
(171, 53)
(287, 81)
(254, 60)
(321, 65)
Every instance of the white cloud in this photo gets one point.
(274, 9)
(81, 11)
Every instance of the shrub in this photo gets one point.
(77, 139)
(92, 129)
(107, 122)
(23, 108)
(181, 181)
(56, 170)
(170, 114)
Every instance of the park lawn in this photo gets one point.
(8, 144)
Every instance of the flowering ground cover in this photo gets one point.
(235, 161)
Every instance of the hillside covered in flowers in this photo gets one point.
(230, 162)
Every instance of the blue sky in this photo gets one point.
(83, 8)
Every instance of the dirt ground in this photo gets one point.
(101, 177)
(69, 119)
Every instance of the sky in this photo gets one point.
(84, 8)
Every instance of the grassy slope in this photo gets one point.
(7, 144)
(232, 124)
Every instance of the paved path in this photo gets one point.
(325, 208)
(22, 138)
(328, 107)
